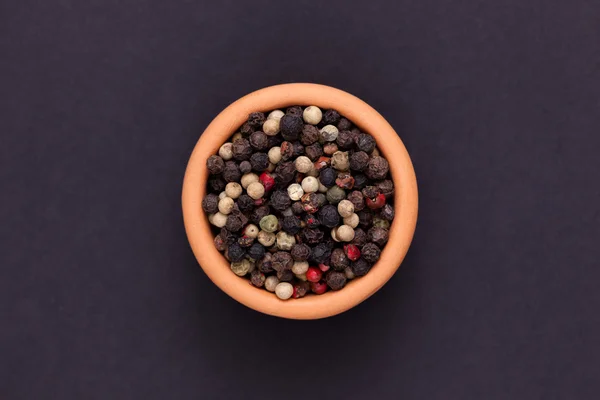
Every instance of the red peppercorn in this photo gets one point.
(267, 181)
(377, 202)
(324, 267)
(322, 162)
(318, 287)
(314, 274)
(259, 202)
(352, 252)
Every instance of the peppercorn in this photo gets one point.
(241, 149)
(345, 140)
(365, 218)
(335, 194)
(236, 221)
(338, 259)
(269, 223)
(312, 115)
(349, 274)
(330, 148)
(387, 212)
(226, 152)
(352, 252)
(300, 252)
(352, 221)
(299, 267)
(235, 252)
(267, 180)
(259, 213)
(231, 172)
(378, 235)
(365, 143)
(287, 151)
(360, 181)
(217, 219)
(328, 133)
(360, 237)
(311, 221)
(386, 187)
(291, 225)
(297, 208)
(264, 264)
(327, 177)
(280, 200)
(259, 141)
(335, 280)
(257, 278)
(344, 124)
(380, 222)
(295, 191)
(345, 208)
(375, 203)
(265, 238)
(285, 241)
(359, 161)
(271, 126)
(220, 243)
(371, 192)
(246, 129)
(256, 251)
(271, 283)
(322, 188)
(256, 190)
(328, 216)
(313, 274)
(285, 173)
(226, 205)
(300, 289)
(245, 203)
(357, 199)
(377, 168)
(256, 119)
(275, 154)
(284, 290)
(282, 260)
(242, 267)
(303, 164)
(210, 203)
(318, 287)
(320, 253)
(250, 230)
(339, 161)
(310, 184)
(245, 167)
(312, 236)
(233, 190)
(294, 110)
(322, 162)
(290, 127)
(259, 162)
(216, 183)
(345, 233)
(245, 241)
(370, 252)
(331, 117)
(309, 135)
(310, 202)
(360, 267)
(345, 180)
(314, 151)
(298, 149)
(215, 165)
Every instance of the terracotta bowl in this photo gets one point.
(199, 231)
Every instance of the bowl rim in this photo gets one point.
(365, 117)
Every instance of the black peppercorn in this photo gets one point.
(321, 199)
(387, 212)
(285, 275)
(320, 254)
(378, 235)
(297, 208)
(235, 252)
(285, 172)
(298, 149)
(314, 151)
(360, 181)
(257, 278)
(360, 267)
(359, 161)
(344, 124)
(330, 117)
(327, 176)
(274, 141)
(259, 162)
(287, 151)
(371, 192)
(245, 203)
(345, 140)
(365, 218)
(386, 187)
(290, 127)
(259, 141)
(282, 260)
(360, 237)
(256, 251)
(217, 183)
(264, 264)
(335, 280)
(294, 110)
(300, 252)
(246, 129)
(241, 149)
(245, 167)
(310, 202)
(370, 252)
(365, 143)
(235, 221)
(329, 216)
(312, 236)
(338, 259)
(220, 243)
(215, 165)
(291, 225)
(227, 236)
(259, 213)
(357, 199)
(311, 221)
(210, 203)
(256, 119)
(280, 200)
(232, 172)
(300, 289)
(309, 135)
(377, 168)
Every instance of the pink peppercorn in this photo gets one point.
(377, 202)
(352, 252)
(267, 181)
(314, 274)
(324, 267)
(318, 287)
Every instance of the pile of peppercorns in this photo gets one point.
(301, 199)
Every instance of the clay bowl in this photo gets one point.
(199, 231)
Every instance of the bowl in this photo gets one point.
(200, 234)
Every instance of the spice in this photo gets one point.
(300, 289)
(231, 172)
(352, 252)
(265, 238)
(335, 195)
(377, 168)
(269, 223)
(387, 212)
(352, 221)
(349, 273)
(321, 253)
(345, 140)
(290, 127)
(295, 191)
(375, 203)
(331, 117)
(360, 237)
(345, 233)
(357, 199)
(370, 252)
(287, 151)
(360, 181)
(330, 148)
(233, 190)
(327, 177)
(312, 115)
(313, 274)
(309, 135)
(257, 278)
(310, 184)
(303, 164)
(245, 203)
(285, 173)
(339, 161)
(271, 283)
(285, 241)
(359, 161)
(345, 208)
(329, 217)
(259, 141)
(345, 180)
(280, 200)
(322, 162)
(242, 267)
(241, 149)
(284, 290)
(215, 165)
(210, 204)
(335, 280)
(378, 235)
(318, 287)
(311, 221)
(259, 162)
(291, 225)
(338, 259)
(271, 126)
(360, 267)
(312, 236)
(226, 205)
(235, 221)
(329, 133)
(285, 275)
(245, 167)
(256, 251)
(380, 222)
(294, 110)
(235, 252)
(365, 143)
(314, 151)
(226, 152)
(300, 252)
(275, 154)
(297, 208)
(220, 243)
(387, 188)
(310, 202)
(299, 267)
(219, 220)
(281, 260)
(276, 114)
(365, 218)
(250, 230)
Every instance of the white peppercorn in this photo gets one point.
(271, 126)
(222, 195)
(339, 161)
(300, 267)
(284, 290)
(295, 191)
(271, 283)
(285, 241)
(312, 115)
(352, 221)
(265, 238)
(276, 114)
(302, 277)
(256, 190)
(218, 219)
(334, 234)
(349, 273)
(303, 164)
(329, 133)
(310, 184)
(226, 152)
(236, 136)
(243, 267)
(322, 188)
(233, 190)
(248, 178)
(345, 208)
(251, 231)
(344, 233)
(275, 154)
(226, 205)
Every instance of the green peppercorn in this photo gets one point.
(269, 223)
(335, 194)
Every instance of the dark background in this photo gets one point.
(101, 103)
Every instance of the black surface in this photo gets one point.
(101, 103)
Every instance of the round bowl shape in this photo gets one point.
(368, 120)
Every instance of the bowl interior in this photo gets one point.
(200, 234)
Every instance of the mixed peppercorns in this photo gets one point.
(301, 199)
